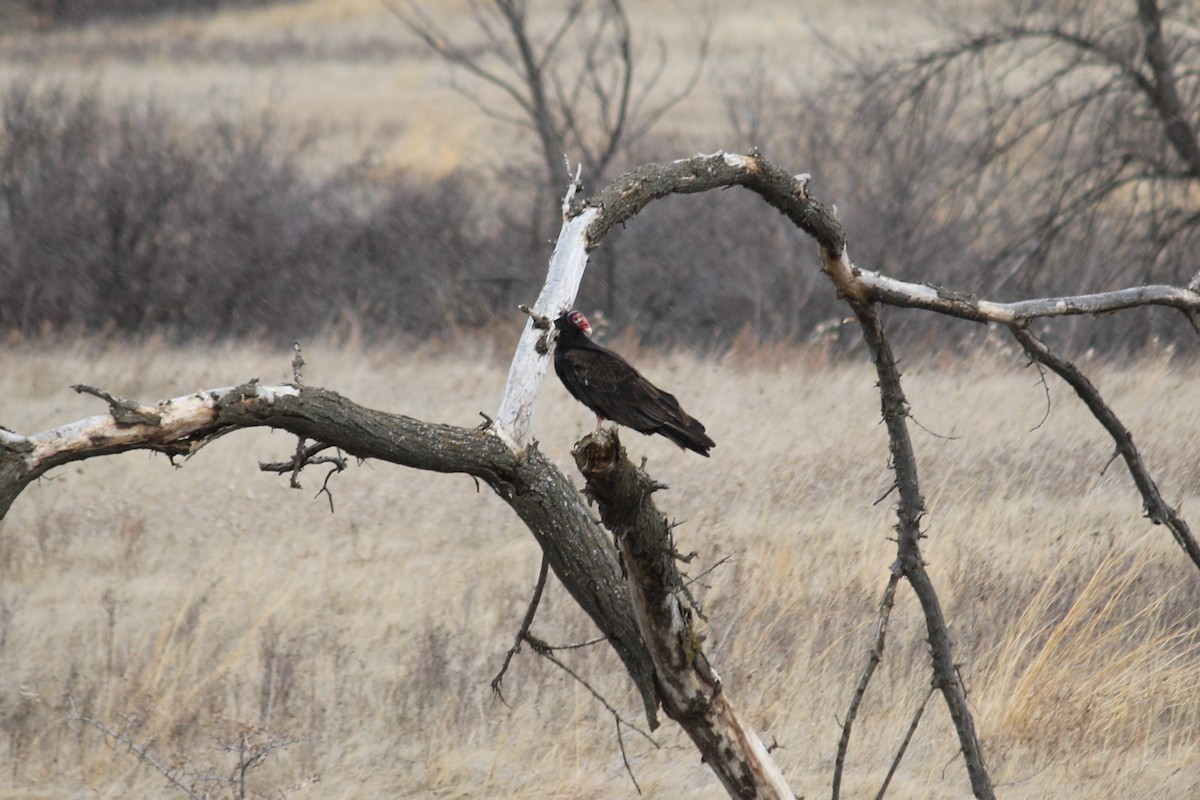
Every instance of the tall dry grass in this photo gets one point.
(184, 603)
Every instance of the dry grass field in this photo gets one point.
(183, 606)
(188, 602)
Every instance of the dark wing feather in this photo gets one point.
(615, 390)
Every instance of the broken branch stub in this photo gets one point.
(688, 686)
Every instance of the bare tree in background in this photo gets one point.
(1066, 139)
(575, 79)
(1049, 149)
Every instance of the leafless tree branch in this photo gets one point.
(523, 631)
(1157, 509)
(912, 728)
(576, 547)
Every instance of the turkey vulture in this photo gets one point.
(610, 387)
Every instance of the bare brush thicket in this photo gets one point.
(1046, 153)
(129, 221)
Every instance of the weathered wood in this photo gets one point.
(688, 686)
(514, 420)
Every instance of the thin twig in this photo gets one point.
(715, 564)
(338, 466)
(885, 495)
(140, 751)
(1046, 388)
(524, 629)
(546, 651)
(912, 728)
(947, 437)
(576, 645)
(625, 758)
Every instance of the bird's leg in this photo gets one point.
(599, 422)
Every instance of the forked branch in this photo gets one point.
(909, 511)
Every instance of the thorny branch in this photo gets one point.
(140, 750)
(909, 511)
(250, 748)
(873, 658)
(1157, 509)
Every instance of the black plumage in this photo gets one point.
(613, 389)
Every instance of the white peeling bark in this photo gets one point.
(514, 420)
(168, 421)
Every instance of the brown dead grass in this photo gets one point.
(200, 598)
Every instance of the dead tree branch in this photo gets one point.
(1157, 509)
(909, 511)
(689, 687)
(544, 498)
(523, 631)
(912, 728)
